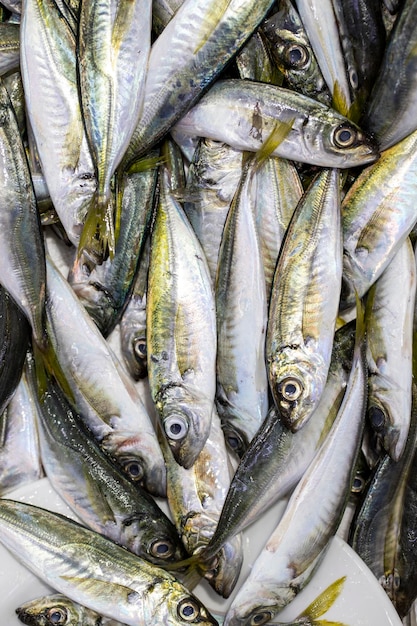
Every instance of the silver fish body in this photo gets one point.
(94, 571)
(244, 114)
(304, 302)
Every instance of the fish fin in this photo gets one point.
(145, 164)
(325, 622)
(339, 102)
(275, 138)
(46, 365)
(211, 20)
(97, 237)
(323, 602)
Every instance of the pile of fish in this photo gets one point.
(231, 187)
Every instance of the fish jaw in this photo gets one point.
(297, 378)
(224, 575)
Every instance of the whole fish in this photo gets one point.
(22, 263)
(391, 306)
(57, 609)
(292, 52)
(378, 213)
(276, 458)
(114, 40)
(181, 329)
(94, 571)
(298, 543)
(102, 391)
(241, 312)
(95, 488)
(48, 58)
(244, 114)
(304, 302)
(183, 61)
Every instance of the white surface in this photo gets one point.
(361, 603)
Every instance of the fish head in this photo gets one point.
(135, 353)
(179, 607)
(388, 435)
(158, 543)
(344, 143)
(50, 611)
(98, 301)
(297, 378)
(185, 418)
(141, 466)
(225, 569)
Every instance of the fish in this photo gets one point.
(377, 216)
(57, 609)
(298, 543)
(94, 571)
(391, 304)
(181, 329)
(100, 388)
(48, 43)
(241, 311)
(305, 301)
(244, 114)
(291, 50)
(9, 47)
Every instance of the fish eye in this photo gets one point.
(188, 610)
(290, 389)
(176, 427)
(134, 470)
(139, 348)
(261, 618)
(376, 417)
(162, 548)
(353, 77)
(57, 615)
(345, 136)
(358, 484)
(234, 441)
(296, 56)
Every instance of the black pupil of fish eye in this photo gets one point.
(233, 442)
(134, 470)
(162, 548)
(175, 428)
(357, 484)
(345, 135)
(290, 389)
(140, 348)
(56, 616)
(260, 618)
(377, 417)
(188, 610)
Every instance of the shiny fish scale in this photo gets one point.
(310, 134)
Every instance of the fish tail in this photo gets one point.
(97, 237)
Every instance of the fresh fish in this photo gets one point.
(133, 322)
(114, 40)
(102, 391)
(212, 180)
(195, 497)
(22, 262)
(304, 302)
(48, 59)
(56, 610)
(277, 458)
(94, 571)
(254, 62)
(96, 489)
(298, 543)
(324, 36)
(291, 51)
(389, 353)
(278, 191)
(244, 114)
(378, 530)
(184, 61)
(103, 289)
(20, 460)
(181, 329)
(378, 213)
(389, 113)
(241, 312)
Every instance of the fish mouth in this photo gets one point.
(223, 577)
(26, 618)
